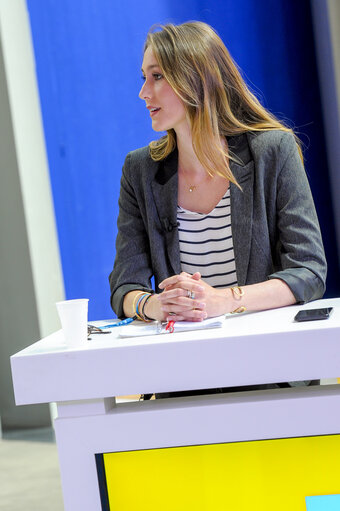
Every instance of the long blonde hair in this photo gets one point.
(199, 68)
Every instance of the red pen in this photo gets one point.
(170, 326)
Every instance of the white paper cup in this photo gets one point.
(73, 318)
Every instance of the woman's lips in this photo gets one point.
(154, 111)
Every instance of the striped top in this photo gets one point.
(206, 244)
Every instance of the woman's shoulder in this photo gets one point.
(271, 142)
(139, 161)
(139, 155)
(139, 167)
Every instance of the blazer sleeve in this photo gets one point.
(132, 267)
(299, 247)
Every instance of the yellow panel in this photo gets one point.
(268, 475)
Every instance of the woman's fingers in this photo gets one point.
(177, 293)
(172, 281)
(184, 308)
(192, 315)
(188, 297)
(180, 306)
(196, 275)
(183, 280)
(177, 303)
(183, 297)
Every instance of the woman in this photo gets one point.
(219, 210)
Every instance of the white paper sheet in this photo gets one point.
(137, 328)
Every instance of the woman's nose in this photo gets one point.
(144, 93)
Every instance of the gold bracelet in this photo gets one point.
(239, 310)
(238, 292)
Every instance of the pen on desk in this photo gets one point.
(168, 326)
(123, 322)
(91, 329)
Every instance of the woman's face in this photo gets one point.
(166, 108)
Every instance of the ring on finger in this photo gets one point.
(191, 295)
(172, 313)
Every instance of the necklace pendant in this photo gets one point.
(191, 188)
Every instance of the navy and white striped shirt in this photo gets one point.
(206, 244)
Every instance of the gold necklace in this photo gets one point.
(192, 188)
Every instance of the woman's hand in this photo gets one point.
(181, 298)
(208, 302)
(189, 298)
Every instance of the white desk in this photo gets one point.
(250, 349)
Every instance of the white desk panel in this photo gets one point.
(200, 420)
(251, 348)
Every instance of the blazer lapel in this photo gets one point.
(165, 194)
(242, 205)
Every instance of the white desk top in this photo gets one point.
(251, 348)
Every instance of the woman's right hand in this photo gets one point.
(153, 309)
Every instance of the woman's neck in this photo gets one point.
(188, 162)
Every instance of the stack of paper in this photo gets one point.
(138, 328)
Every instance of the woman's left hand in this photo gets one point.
(204, 302)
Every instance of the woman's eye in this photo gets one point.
(156, 76)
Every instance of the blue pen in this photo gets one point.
(120, 323)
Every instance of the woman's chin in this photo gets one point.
(157, 127)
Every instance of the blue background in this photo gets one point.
(88, 58)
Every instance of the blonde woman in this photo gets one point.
(218, 210)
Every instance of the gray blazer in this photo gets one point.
(274, 224)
